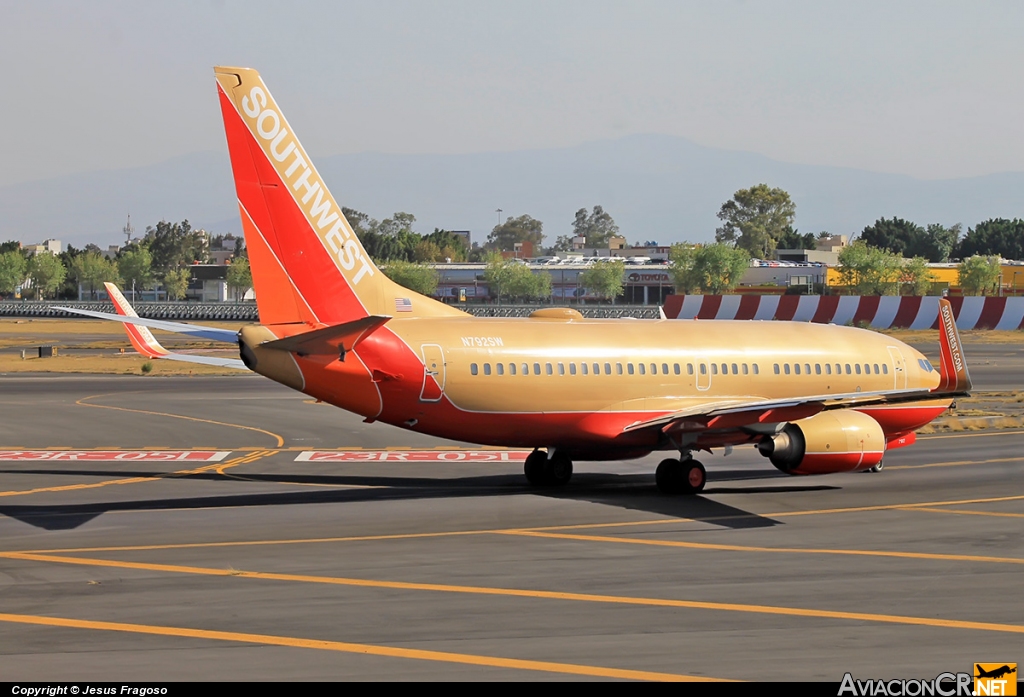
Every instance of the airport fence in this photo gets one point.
(246, 312)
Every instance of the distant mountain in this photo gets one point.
(656, 187)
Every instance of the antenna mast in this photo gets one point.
(128, 230)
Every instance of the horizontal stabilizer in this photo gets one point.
(339, 339)
(196, 330)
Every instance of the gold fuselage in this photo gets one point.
(454, 376)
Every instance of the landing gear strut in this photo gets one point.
(685, 476)
(552, 468)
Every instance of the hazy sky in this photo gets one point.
(931, 89)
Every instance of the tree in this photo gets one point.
(416, 277)
(360, 222)
(755, 219)
(174, 245)
(522, 229)
(604, 278)
(10, 246)
(515, 281)
(792, 239)
(938, 242)
(997, 236)
(868, 270)
(47, 274)
(935, 243)
(91, 269)
(176, 283)
(136, 267)
(714, 268)
(13, 270)
(916, 277)
(896, 235)
(450, 245)
(239, 276)
(598, 227)
(979, 275)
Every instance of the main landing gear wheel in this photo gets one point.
(877, 468)
(534, 467)
(541, 470)
(681, 477)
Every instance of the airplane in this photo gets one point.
(996, 673)
(812, 398)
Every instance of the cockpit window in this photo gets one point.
(926, 365)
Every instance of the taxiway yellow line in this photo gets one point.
(994, 514)
(218, 467)
(346, 647)
(83, 403)
(766, 550)
(532, 594)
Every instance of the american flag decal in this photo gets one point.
(403, 305)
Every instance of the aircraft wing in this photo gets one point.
(757, 413)
(144, 342)
(763, 414)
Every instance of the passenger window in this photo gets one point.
(796, 368)
(536, 368)
(511, 368)
(501, 368)
(725, 369)
(642, 370)
(777, 369)
(828, 369)
(885, 369)
(548, 369)
(526, 368)
(876, 369)
(487, 368)
(664, 369)
(703, 369)
(473, 368)
(848, 372)
(857, 366)
(561, 368)
(597, 368)
(756, 371)
(629, 368)
(583, 367)
(785, 368)
(807, 368)
(607, 368)
(817, 368)
(689, 369)
(714, 369)
(654, 368)
(735, 371)
(839, 369)
(744, 368)
(867, 369)
(618, 368)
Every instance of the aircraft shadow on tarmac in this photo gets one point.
(633, 491)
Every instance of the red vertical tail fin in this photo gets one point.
(953, 366)
(307, 263)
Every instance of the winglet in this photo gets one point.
(953, 367)
(142, 339)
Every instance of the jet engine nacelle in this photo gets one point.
(832, 441)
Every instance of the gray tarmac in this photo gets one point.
(261, 567)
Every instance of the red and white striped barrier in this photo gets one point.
(880, 312)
